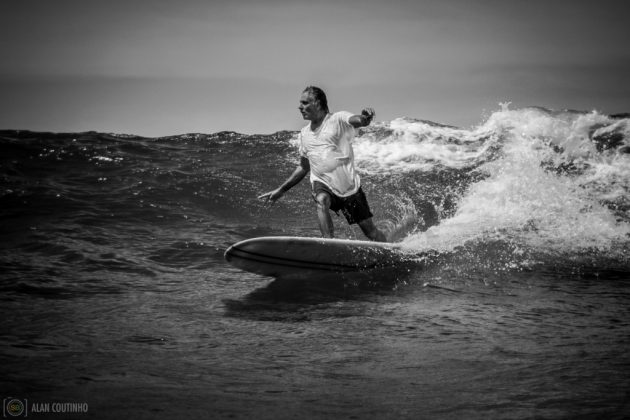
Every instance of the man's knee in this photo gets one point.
(323, 200)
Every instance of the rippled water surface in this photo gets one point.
(115, 291)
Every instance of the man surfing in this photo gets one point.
(326, 151)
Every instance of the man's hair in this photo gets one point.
(318, 95)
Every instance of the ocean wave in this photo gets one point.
(538, 180)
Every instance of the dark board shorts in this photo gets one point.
(355, 207)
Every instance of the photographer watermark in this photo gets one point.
(23, 407)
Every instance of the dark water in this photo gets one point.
(115, 292)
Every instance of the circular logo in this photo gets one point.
(15, 408)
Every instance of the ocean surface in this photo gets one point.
(115, 293)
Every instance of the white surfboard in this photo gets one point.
(297, 257)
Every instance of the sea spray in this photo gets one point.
(549, 189)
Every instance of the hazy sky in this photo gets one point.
(168, 67)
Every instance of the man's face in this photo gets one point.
(309, 107)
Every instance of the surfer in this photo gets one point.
(325, 150)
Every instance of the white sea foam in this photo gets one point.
(522, 201)
(549, 187)
(418, 146)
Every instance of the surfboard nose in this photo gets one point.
(229, 254)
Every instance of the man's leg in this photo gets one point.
(323, 214)
(371, 231)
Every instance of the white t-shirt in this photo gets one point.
(330, 153)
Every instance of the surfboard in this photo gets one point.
(299, 257)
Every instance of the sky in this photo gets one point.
(158, 67)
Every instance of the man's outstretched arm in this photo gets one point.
(298, 174)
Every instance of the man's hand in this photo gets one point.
(362, 120)
(369, 114)
(272, 195)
